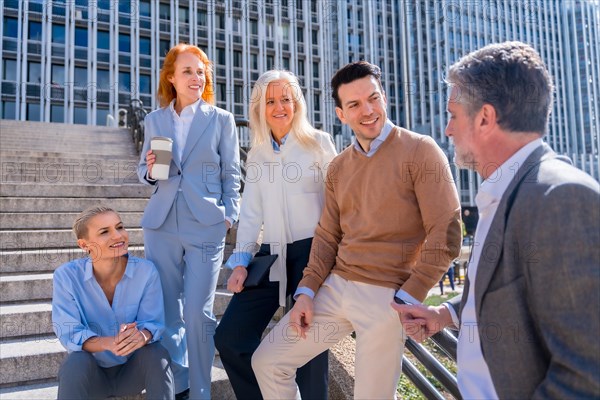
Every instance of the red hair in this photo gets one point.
(166, 90)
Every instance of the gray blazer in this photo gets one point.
(537, 290)
(208, 172)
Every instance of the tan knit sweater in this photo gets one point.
(392, 219)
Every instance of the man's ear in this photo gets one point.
(340, 114)
(487, 118)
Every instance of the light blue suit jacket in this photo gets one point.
(208, 172)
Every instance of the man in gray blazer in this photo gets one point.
(529, 316)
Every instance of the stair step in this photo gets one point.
(26, 319)
(30, 287)
(46, 239)
(70, 171)
(38, 391)
(99, 192)
(220, 388)
(25, 287)
(44, 220)
(15, 126)
(25, 360)
(24, 261)
(57, 204)
(44, 155)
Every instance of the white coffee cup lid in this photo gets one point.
(163, 138)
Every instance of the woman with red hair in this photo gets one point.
(189, 213)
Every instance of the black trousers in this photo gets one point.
(248, 314)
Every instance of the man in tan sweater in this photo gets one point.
(390, 228)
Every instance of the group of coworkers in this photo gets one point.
(360, 237)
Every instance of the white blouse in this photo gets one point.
(285, 192)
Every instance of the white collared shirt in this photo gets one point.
(474, 379)
(182, 124)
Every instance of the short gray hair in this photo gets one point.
(511, 77)
(80, 226)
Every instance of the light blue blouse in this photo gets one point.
(80, 309)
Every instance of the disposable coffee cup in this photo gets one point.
(162, 148)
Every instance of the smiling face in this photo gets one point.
(279, 107)
(461, 128)
(106, 237)
(363, 109)
(188, 79)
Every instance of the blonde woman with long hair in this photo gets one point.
(284, 195)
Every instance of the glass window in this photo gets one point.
(11, 27)
(81, 77)
(315, 69)
(165, 46)
(103, 79)
(58, 33)
(237, 58)
(101, 114)
(315, 37)
(104, 4)
(124, 43)
(254, 27)
(34, 72)
(8, 110)
(33, 112)
(221, 92)
(124, 81)
(300, 67)
(202, 18)
(238, 96)
(317, 101)
(286, 63)
(35, 31)
(184, 15)
(145, 47)
(220, 21)
(125, 7)
(104, 40)
(270, 62)
(58, 74)
(80, 115)
(235, 25)
(57, 113)
(144, 8)
(81, 37)
(164, 11)
(9, 69)
(145, 83)
(220, 56)
(254, 61)
(300, 35)
(285, 32)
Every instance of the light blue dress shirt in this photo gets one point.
(80, 309)
(375, 143)
(243, 258)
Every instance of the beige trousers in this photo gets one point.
(340, 307)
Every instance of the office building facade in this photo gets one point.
(80, 61)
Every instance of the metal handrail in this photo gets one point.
(135, 122)
(446, 341)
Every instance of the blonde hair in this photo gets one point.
(166, 90)
(304, 132)
(80, 226)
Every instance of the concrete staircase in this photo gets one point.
(51, 172)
